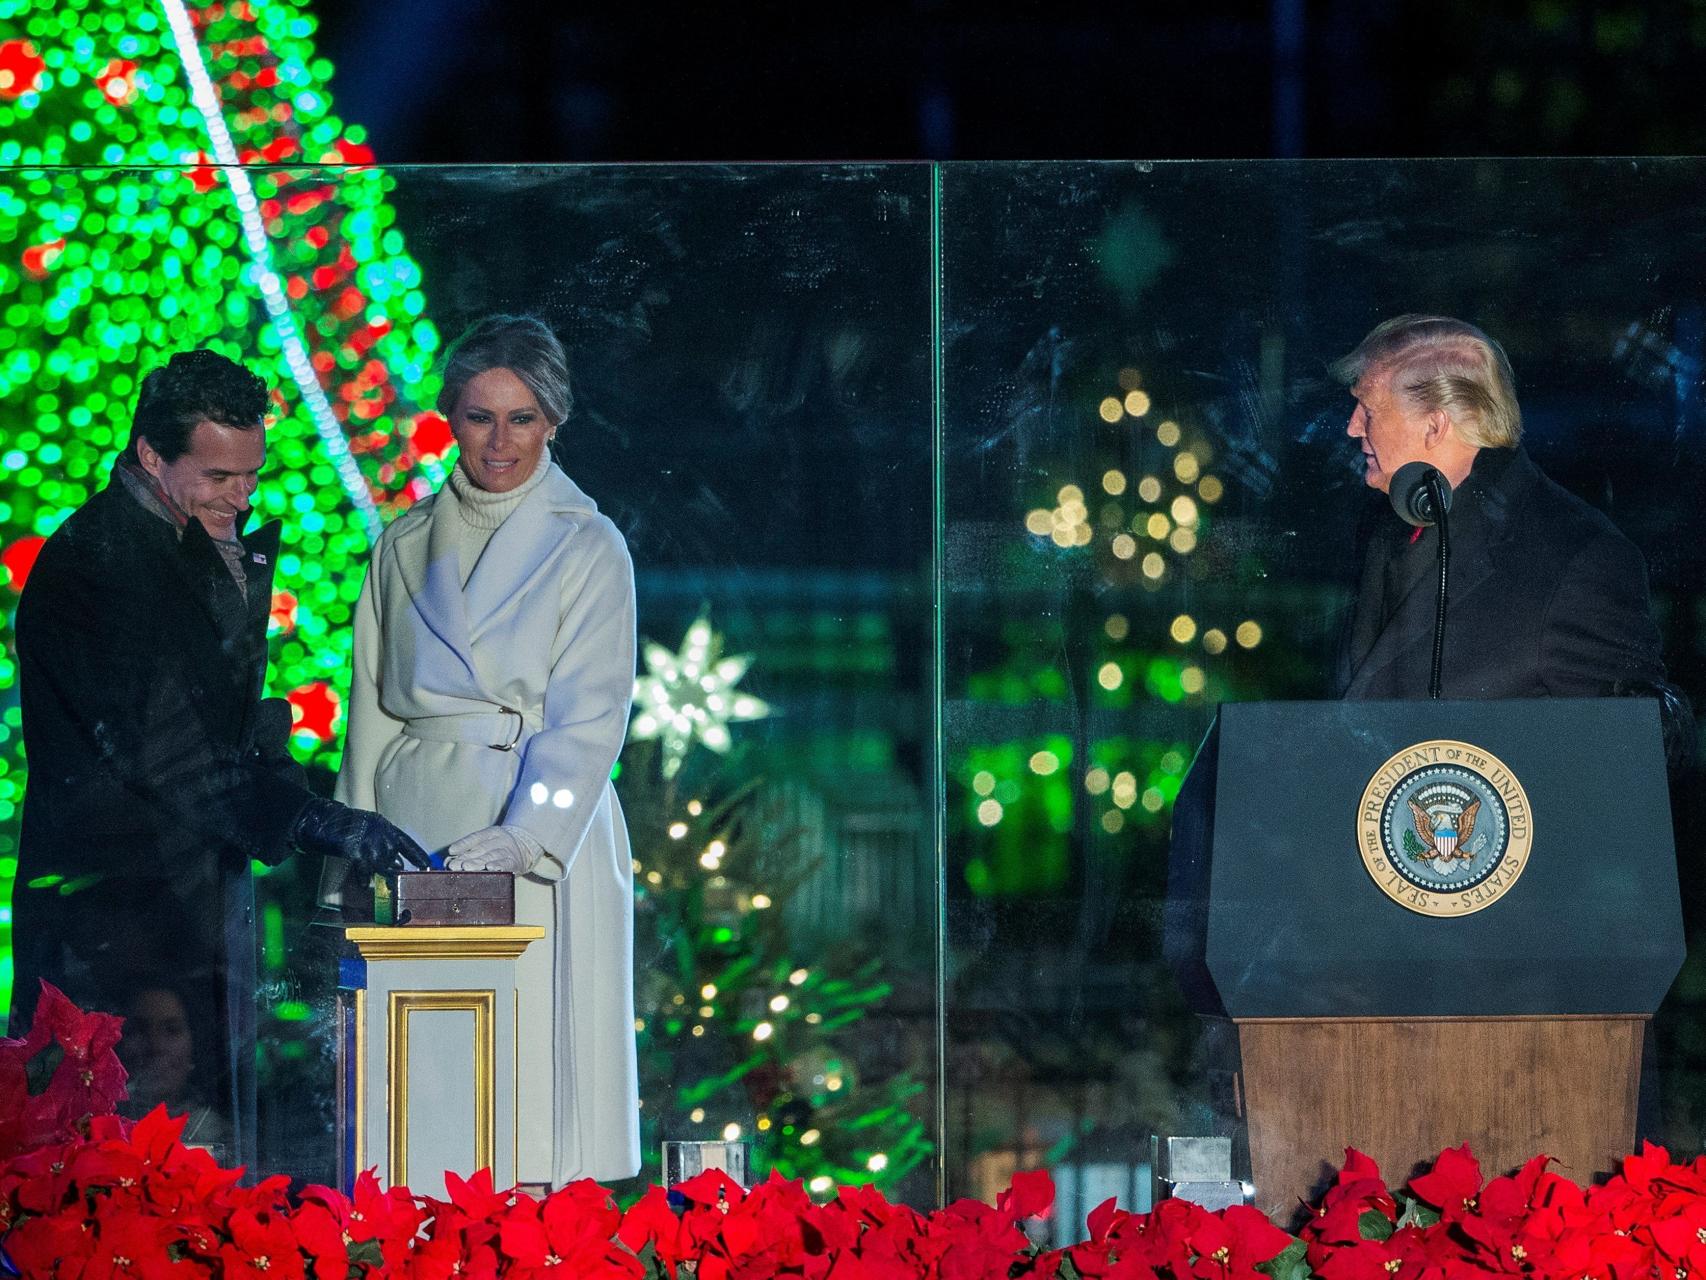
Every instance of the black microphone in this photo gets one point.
(1412, 493)
(1421, 495)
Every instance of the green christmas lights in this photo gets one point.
(139, 249)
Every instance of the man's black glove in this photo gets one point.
(371, 843)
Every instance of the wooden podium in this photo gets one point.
(1386, 1005)
(428, 1054)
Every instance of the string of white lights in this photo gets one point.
(260, 256)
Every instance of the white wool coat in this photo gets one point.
(544, 628)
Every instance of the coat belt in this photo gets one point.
(501, 730)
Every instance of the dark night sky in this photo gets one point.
(447, 81)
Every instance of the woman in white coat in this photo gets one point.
(494, 662)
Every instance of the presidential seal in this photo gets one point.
(1444, 828)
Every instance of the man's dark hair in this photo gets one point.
(191, 387)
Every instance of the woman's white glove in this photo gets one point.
(495, 849)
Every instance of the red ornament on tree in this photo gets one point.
(282, 616)
(38, 259)
(432, 436)
(118, 82)
(21, 68)
(202, 174)
(314, 710)
(343, 151)
(19, 559)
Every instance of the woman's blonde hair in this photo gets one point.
(1440, 363)
(526, 347)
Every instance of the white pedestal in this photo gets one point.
(432, 1083)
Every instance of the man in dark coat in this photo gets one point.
(157, 770)
(1546, 597)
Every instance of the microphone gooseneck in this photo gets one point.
(1421, 495)
(1439, 493)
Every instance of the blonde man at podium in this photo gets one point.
(494, 662)
(1546, 597)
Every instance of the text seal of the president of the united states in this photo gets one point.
(1444, 828)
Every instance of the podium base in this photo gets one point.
(1402, 1089)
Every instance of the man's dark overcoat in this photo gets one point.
(155, 775)
(1547, 598)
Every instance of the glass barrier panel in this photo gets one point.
(749, 363)
(1151, 505)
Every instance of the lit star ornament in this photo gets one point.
(690, 696)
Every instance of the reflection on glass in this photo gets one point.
(751, 360)
(1150, 502)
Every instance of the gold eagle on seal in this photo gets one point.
(1445, 834)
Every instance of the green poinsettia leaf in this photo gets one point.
(1374, 1225)
(655, 1266)
(1291, 1263)
(1415, 1213)
(40, 1070)
(366, 1253)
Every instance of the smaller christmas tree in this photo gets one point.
(738, 1037)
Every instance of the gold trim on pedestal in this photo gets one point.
(515, 1094)
(444, 942)
(360, 1084)
(482, 1005)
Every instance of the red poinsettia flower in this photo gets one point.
(52, 1245)
(570, 1234)
(1231, 1244)
(1602, 1256)
(1163, 1236)
(42, 1179)
(1651, 1170)
(1452, 1184)
(766, 1228)
(110, 1167)
(1116, 1247)
(970, 1239)
(1361, 1260)
(261, 1247)
(1358, 1189)
(88, 1080)
(389, 1219)
(1030, 1196)
(1104, 1262)
(269, 1195)
(320, 1235)
(1512, 1227)
(451, 1257)
(650, 1221)
(900, 1238)
(476, 1197)
(1681, 1235)
(200, 1233)
(156, 1136)
(130, 1245)
(713, 1188)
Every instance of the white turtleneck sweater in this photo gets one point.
(479, 513)
(482, 512)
